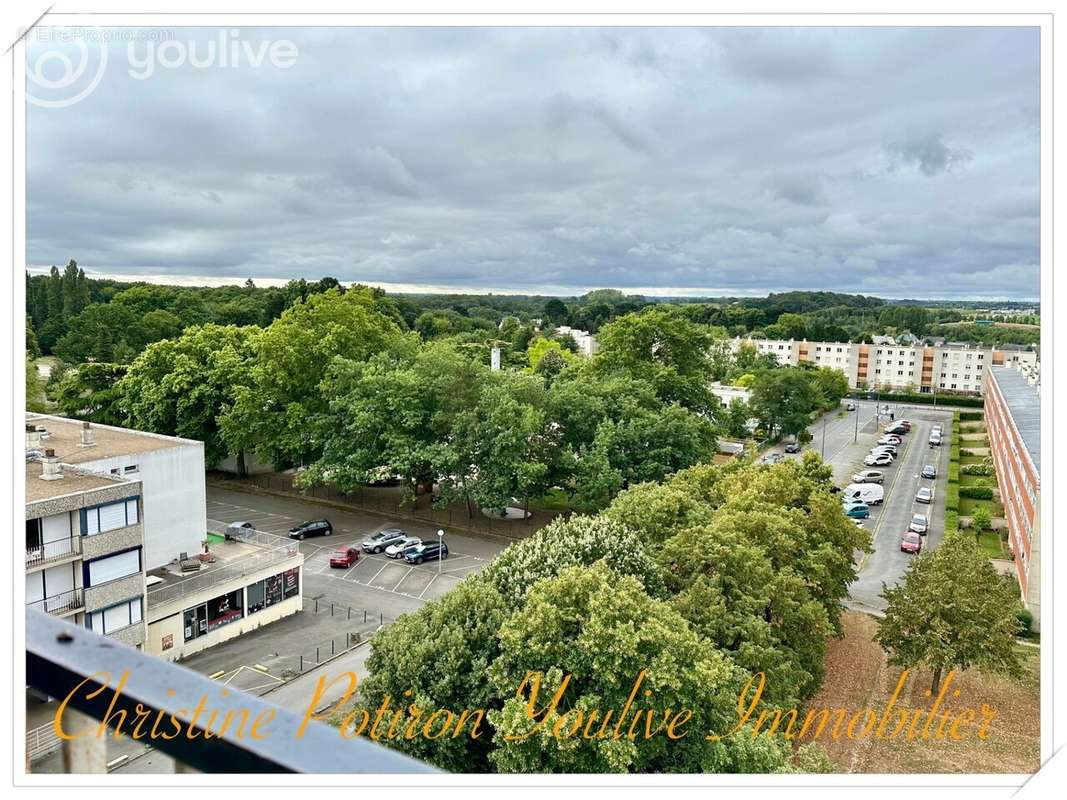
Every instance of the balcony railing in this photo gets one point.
(60, 605)
(66, 661)
(49, 552)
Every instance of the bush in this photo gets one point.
(966, 452)
(953, 473)
(952, 522)
(976, 492)
(1026, 619)
(977, 469)
(970, 416)
(952, 498)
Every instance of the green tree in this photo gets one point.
(784, 399)
(565, 543)
(393, 414)
(599, 631)
(91, 392)
(35, 399)
(981, 520)
(660, 346)
(953, 610)
(274, 415)
(181, 387)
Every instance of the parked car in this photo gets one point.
(935, 440)
(397, 549)
(918, 524)
(911, 543)
(344, 557)
(857, 510)
(315, 527)
(896, 428)
(869, 476)
(884, 448)
(237, 530)
(427, 551)
(792, 447)
(850, 406)
(905, 422)
(880, 460)
(924, 495)
(870, 493)
(890, 439)
(377, 542)
(929, 471)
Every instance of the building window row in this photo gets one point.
(116, 617)
(100, 519)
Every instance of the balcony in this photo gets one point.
(66, 661)
(48, 553)
(60, 605)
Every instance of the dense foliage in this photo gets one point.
(743, 571)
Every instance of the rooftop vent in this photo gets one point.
(44, 433)
(51, 469)
(87, 435)
(33, 438)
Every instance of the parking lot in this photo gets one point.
(846, 439)
(377, 582)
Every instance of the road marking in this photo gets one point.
(410, 570)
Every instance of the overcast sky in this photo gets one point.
(896, 162)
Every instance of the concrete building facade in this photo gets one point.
(944, 369)
(169, 469)
(1013, 422)
(84, 548)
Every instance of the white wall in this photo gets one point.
(174, 499)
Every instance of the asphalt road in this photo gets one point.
(846, 439)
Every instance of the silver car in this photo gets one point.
(919, 524)
(397, 550)
(924, 495)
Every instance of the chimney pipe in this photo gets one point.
(51, 469)
(33, 438)
(42, 431)
(87, 435)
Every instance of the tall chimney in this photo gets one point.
(87, 435)
(33, 439)
(51, 469)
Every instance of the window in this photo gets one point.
(111, 568)
(129, 469)
(33, 534)
(109, 517)
(115, 618)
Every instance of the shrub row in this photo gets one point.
(966, 401)
(976, 492)
(971, 416)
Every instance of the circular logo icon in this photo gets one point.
(53, 80)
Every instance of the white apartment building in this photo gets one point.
(949, 368)
(587, 343)
(169, 469)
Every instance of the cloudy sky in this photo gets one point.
(897, 162)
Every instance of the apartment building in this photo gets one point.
(84, 547)
(951, 368)
(587, 343)
(1013, 422)
(169, 469)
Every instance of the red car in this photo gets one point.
(911, 543)
(344, 557)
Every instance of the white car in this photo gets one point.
(397, 550)
(878, 460)
(889, 439)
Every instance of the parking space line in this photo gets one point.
(433, 580)
(410, 570)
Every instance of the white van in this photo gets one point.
(870, 493)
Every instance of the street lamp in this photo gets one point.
(440, 550)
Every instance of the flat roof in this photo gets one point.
(1024, 405)
(73, 482)
(109, 441)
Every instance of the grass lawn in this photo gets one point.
(989, 541)
(978, 480)
(858, 677)
(967, 507)
(971, 459)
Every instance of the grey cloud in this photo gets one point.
(538, 159)
(929, 153)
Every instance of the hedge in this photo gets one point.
(971, 416)
(952, 499)
(952, 522)
(953, 473)
(921, 399)
(976, 492)
(977, 469)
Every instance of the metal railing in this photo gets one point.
(102, 679)
(41, 741)
(48, 552)
(60, 604)
(169, 592)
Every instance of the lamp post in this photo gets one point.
(440, 550)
